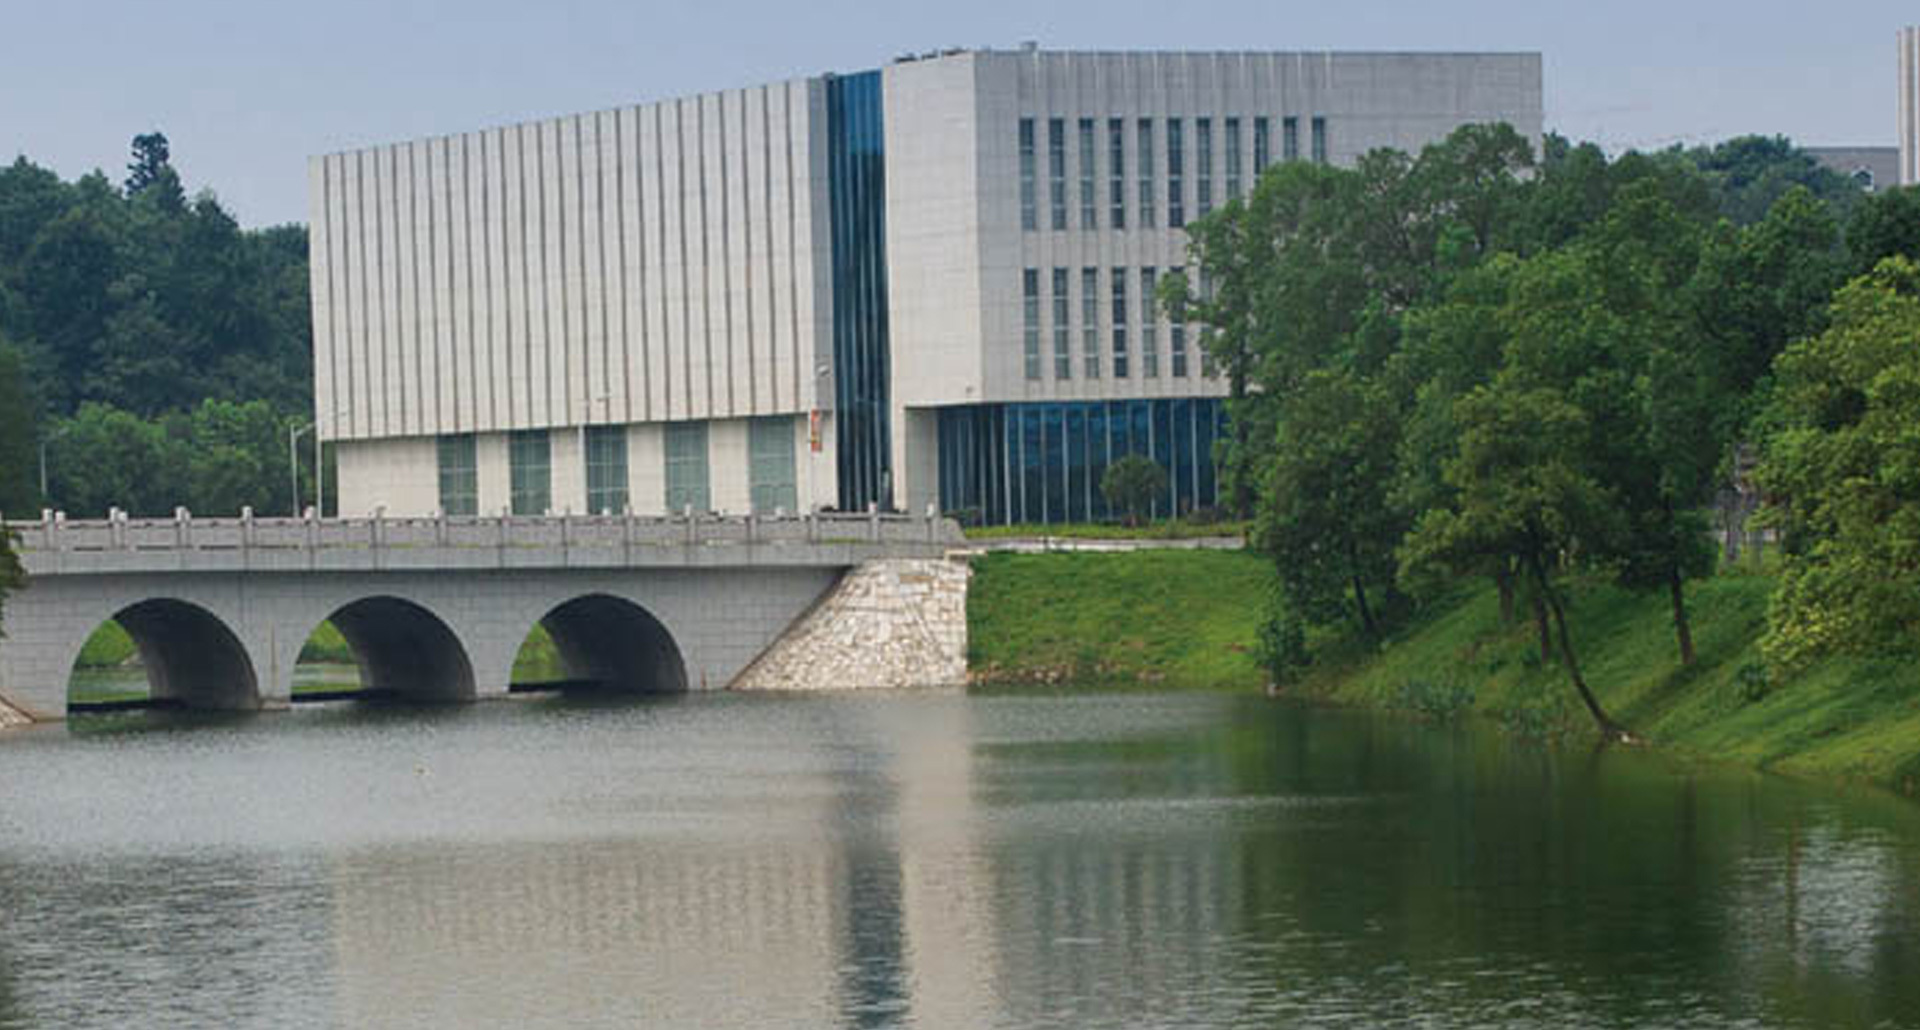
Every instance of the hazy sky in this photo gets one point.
(247, 89)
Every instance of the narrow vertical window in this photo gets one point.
(1057, 171)
(1176, 175)
(1120, 323)
(1290, 138)
(1203, 161)
(686, 478)
(1089, 202)
(1029, 219)
(1062, 328)
(1117, 172)
(1262, 146)
(1205, 341)
(606, 470)
(1233, 159)
(1090, 321)
(530, 472)
(459, 476)
(1149, 325)
(1177, 335)
(1143, 164)
(1030, 312)
(1319, 140)
(772, 485)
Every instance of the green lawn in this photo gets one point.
(1173, 619)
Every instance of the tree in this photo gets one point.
(150, 155)
(1884, 224)
(1523, 488)
(1326, 517)
(1841, 471)
(19, 493)
(1131, 484)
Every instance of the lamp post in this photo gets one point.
(294, 433)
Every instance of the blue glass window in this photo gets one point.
(856, 155)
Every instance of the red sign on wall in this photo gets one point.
(813, 430)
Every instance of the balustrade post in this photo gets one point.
(873, 520)
(182, 528)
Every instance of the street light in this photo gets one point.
(294, 433)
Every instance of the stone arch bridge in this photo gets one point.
(436, 608)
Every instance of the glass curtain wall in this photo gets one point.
(1042, 463)
(772, 483)
(856, 155)
(686, 444)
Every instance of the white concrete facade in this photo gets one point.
(1909, 105)
(675, 261)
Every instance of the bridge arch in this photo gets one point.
(612, 644)
(405, 650)
(190, 655)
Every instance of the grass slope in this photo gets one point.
(1173, 619)
(1846, 718)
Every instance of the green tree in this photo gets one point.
(1841, 470)
(1326, 516)
(1884, 224)
(150, 155)
(1131, 484)
(19, 493)
(1522, 488)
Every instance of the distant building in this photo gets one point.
(1909, 105)
(926, 284)
(1874, 168)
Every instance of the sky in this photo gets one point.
(246, 91)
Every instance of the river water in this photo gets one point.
(927, 860)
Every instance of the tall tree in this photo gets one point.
(1841, 470)
(150, 157)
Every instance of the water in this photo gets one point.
(927, 860)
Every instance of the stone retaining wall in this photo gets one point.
(10, 717)
(888, 624)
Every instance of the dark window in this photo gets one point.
(1028, 218)
(687, 468)
(1319, 140)
(1120, 323)
(1176, 175)
(1057, 171)
(459, 476)
(1233, 158)
(530, 472)
(606, 470)
(1203, 162)
(1090, 321)
(1116, 172)
(1149, 325)
(1143, 164)
(771, 482)
(1262, 146)
(1030, 316)
(1289, 138)
(1089, 203)
(1062, 330)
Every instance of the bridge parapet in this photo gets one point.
(56, 545)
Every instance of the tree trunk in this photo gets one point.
(1504, 578)
(1609, 729)
(1242, 489)
(1366, 613)
(1541, 627)
(1681, 627)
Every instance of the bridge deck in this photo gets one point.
(59, 546)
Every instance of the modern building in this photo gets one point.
(926, 284)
